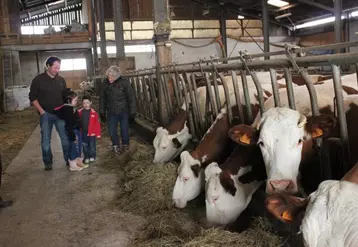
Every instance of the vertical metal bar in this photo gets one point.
(276, 94)
(237, 96)
(227, 96)
(246, 96)
(290, 94)
(166, 94)
(179, 85)
(266, 30)
(140, 99)
(216, 91)
(147, 91)
(176, 93)
(194, 106)
(259, 91)
(338, 22)
(211, 96)
(196, 99)
(146, 98)
(223, 30)
(153, 96)
(190, 115)
(341, 115)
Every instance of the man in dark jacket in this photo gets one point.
(46, 93)
(117, 102)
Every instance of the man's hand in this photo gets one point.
(42, 112)
(103, 118)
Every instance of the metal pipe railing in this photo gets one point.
(258, 55)
(320, 60)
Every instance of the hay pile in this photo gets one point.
(177, 228)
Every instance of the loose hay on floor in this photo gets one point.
(170, 229)
(150, 190)
(257, 236)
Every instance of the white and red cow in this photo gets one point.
(285, 136)
(214, 145)
(169, 142)
(328, 217)
(226, 196)
(168, 146)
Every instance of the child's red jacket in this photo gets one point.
(94, 127)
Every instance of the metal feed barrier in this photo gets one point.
(187, 77)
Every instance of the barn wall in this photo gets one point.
(29, 66)
(184, 53)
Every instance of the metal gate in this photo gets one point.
(185, 78)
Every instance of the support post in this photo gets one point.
(266, 30)
(118, 29)
(94, 38)
(102, 33)
(223, 31)
(162, 51)
(338, 22)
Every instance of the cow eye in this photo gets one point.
(260, 143)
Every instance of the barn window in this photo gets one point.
(73, 64)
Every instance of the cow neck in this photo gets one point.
(239, 158)
(178, 123)
(352, 175)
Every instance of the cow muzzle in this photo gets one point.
(179, 203)
(283, 185)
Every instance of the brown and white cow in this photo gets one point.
(284, 135)
(3, 204)
(213, 145)
(230, 186)
(328, 217)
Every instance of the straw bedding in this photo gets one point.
(146, 190)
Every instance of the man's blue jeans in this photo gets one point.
(75, 146)
(122, 119)
(47, 121)
(89, 146)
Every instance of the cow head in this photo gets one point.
(168, 147)
(226, 197)
(332, 208)
(280, 133)
(189, 181)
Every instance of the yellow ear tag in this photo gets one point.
(317, 132)
(286, 216)
(245, 139)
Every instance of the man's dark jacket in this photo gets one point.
(117, 97)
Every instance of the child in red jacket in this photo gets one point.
(90, 129)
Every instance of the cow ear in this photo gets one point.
(319, 126)
(227, 183)
(196, 170)
(176, 143)
(286, 207)
(243, 134)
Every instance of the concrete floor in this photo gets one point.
(59, 207)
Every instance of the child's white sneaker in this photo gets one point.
(74, 167)
(80, 163)
(87, 161)
(92, 160)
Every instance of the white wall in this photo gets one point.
(184, 54)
